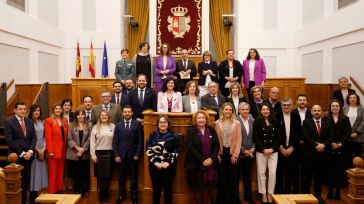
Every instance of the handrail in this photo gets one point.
(357, 85)
(1, 85)
(10, 84)
(38, 94)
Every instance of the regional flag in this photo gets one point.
(91, 66)
(78, 61)
(105, 68)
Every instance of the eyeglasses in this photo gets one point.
(105, 96)
(163, 122)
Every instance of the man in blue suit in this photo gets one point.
(21, 138)
(128, 147)
(142, 98)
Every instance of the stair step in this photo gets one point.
(3, 158)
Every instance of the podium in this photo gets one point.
(180, 122)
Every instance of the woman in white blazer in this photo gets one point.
(191, 99)
(169, 100)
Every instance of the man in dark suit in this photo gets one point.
(303, 112)
(128, 147)
(290, 125)
(184, 67)
(273, 100)
(317, 133)
(21, 138)
(118, 97)
(247, 149)
(90, 112)
(213, 100)
(113, 109)
(142, 98)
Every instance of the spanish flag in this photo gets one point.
(78, 61)
(91, 66)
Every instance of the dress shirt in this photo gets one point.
(246, 124)
(139, 89)
(352, 114)
(251, 70)
(106, 107)
(302, 113)
(287, 124)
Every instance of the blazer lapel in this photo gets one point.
(17, 124)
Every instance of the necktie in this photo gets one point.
(185, 64)
(106, 108)
(318, 126)
(88, 115)
(141, 97)
(127, 126)
(214, 98)
(117, 99)
(22, 124)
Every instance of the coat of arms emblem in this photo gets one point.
(179, 23)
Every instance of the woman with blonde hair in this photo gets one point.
(56, 129)
(236, 96)
(101, 153)
(229, 132)
(256, 102)
(201, 160)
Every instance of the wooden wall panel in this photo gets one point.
(89, 86)
(320, 94)
(289, 87)
(25, 93)
(58, 92)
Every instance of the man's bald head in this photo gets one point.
(316, 111)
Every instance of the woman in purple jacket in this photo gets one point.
(164, 66)
(254, 72)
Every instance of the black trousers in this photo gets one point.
(287, 173)
(128, 166)
(227, 180)
(313, 167)
(79, 171)
(251, 84)
(245, 167)
(162, 179)
(355, 148)
(25, 177)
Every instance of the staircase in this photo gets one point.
(3, 149)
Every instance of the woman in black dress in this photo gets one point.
(143, 62)
(338, 149)
(203, 148)
(162, 148)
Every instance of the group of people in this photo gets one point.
(295, 145)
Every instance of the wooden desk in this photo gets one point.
(294, 198)
(58, 198)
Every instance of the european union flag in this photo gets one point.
(105, 67)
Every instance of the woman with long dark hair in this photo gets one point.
(338, 151)
(38, 172)
(254, 72)
(267, 141)
(78, 154)
(355, 112)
